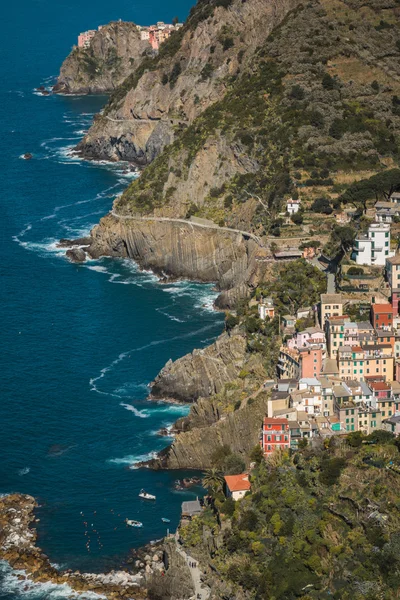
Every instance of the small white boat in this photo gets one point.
(146, 496)
(133, 523)
(164, 520)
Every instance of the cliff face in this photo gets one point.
(114, 52)
(311, 102)
(182, 249)
(202, 372)
(192, 72)
(239, 430)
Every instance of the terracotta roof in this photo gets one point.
(382, 308)
(357, 349)
(238, 483)
(272, 421)
(379, 385)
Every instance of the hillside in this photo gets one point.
(193, 69)
(114, 52)
(312, 104)
(323, 524)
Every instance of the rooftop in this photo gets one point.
(382, 308)
(379, 386)
(394, 260)
(238, 483)
(191, 508)
(331, 298)
(272, 421)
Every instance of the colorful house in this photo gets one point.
(237, 485)
(275, 434)
(382, 316)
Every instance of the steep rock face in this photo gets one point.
(190, 74)
(238, 430)
(202, 372)
(114, 52)
(182, 249)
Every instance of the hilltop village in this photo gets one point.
(154, 34)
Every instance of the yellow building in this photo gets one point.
(331, 306)
(366, 363)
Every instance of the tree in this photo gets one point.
(175, 20)
(378, 186)
(297, 92)
(231, 321)
(328, 82)
(297, 218)
(322, 205)
(213, 480)
(234, 465)
(257, 455)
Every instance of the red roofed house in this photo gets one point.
(381, 315)
(276, 434)
(237, 485)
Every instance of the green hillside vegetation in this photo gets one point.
(324, 523)
(303, 112)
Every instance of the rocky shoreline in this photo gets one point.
(142, 569)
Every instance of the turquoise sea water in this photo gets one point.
(79, 344)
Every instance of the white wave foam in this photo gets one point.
(138, 413)
(17, 584)
(24, 471)
(98, 269)
(133, 459)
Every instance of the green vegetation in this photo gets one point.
(298, 284)
(321, 524)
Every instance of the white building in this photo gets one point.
(237, 486)
(292, 206)
(373, 248)
(266, 309)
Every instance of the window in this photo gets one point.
(268, 438)
(286, 438)
(269, 447)
(277, 438)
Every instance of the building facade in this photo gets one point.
(373, 248)
(275, 434)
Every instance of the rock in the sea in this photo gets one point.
(76, 255)
(27, 156)
(202, 373)
(67, 243)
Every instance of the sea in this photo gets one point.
(79, 343)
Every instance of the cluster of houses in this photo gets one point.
(337, 376)
(157, 34)
(154, 34)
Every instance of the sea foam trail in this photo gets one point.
(93, 381)
(24, 471)
(138, 413)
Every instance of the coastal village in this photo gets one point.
(340, 374)
(154, 34)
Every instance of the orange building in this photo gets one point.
(381, 315)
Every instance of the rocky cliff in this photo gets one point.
(202, 372)
(114, 52)
(253, 101)
(192, 71)
(184, 249)
(238, 430)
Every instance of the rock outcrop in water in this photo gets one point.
(114, 52)
(202, 373)
(182, 249)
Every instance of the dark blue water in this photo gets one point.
(79, 343)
